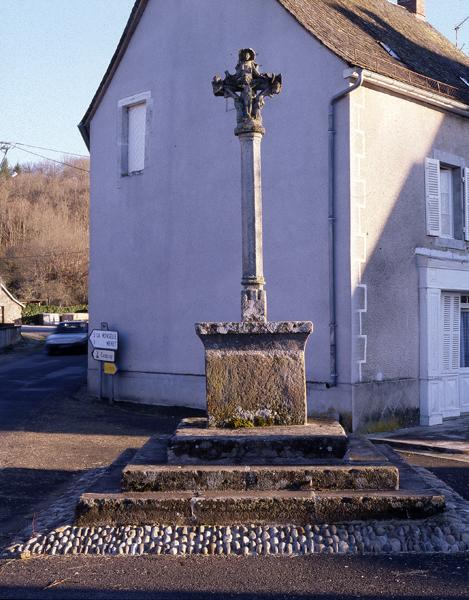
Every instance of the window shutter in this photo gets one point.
(432, 194)
(466, 204)
(451, 331)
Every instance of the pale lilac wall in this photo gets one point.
(166, 245)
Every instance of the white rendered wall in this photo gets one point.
(393, 136)
(166, 244)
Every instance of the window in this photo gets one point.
(446, 208)
(134, 116)
(447, 200)
(390, 51)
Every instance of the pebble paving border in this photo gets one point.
(448, 533)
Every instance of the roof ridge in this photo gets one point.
(8, 293)
(351, 29)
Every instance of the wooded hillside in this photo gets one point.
(44, 232)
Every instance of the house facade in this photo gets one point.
(10, 308)
(365, 200)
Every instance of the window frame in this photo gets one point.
(123, 106)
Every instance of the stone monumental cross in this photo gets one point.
(255, 368)
(285, 471)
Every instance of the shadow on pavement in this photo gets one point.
(453, 472)
(22, 491)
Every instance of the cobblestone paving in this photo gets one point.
(55, 534)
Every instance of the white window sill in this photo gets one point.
(450, 243)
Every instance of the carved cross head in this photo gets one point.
(248, 87)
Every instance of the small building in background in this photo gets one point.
(10, 308)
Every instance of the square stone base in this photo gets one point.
(195, 443)
(255, 369)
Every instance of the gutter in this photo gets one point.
(359, 74)
(411, 91)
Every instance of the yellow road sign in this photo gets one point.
(110, 368)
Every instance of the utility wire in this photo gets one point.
(59, 162)
(49, 149)
(5, 258)
(5, 147)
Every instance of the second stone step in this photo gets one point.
(160, 478)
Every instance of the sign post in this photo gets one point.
(105, 344)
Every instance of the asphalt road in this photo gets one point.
(31, 383)
(238, 578)
(31, 377)
(453, 472)
(50, 434)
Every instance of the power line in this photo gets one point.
(50, 150)
(59, 162)
(5, 258)
(5, 147)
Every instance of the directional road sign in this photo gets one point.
(110, 368)
(104, 355)
(102, 338)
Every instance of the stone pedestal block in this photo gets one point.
(255, 369)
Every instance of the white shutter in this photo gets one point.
(446, 354)
(432, 195)
(136, 137)
(451, 311)
(456, 333)
(466, 204)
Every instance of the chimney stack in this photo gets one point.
(416, 7)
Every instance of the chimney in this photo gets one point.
(416, 7)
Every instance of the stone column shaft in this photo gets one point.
(253, 298)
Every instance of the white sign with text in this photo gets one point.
(104, 355)
(104, 339)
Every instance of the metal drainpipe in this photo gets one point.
(332, 218)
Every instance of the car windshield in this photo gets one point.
(72, 328)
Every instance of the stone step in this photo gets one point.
(256, 507)
(196, 443)
(160, 478)
(451, 448)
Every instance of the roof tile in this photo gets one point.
(352, 29)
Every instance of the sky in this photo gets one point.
(53, 54)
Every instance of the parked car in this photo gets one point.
(68, 335)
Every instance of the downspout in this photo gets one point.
(332, 219)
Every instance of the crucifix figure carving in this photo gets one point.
(248, 88)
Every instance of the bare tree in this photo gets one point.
(44, 232)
